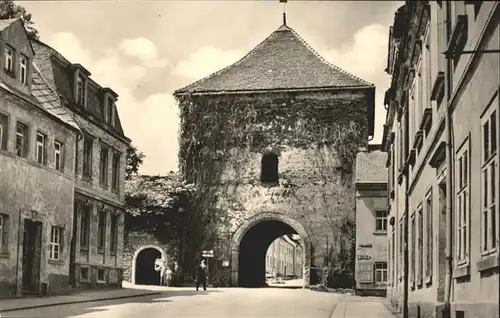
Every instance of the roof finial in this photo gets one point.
(284, 11)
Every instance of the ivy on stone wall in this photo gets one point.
(212, 126)
(158, 205)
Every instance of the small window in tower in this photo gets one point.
(269, 168)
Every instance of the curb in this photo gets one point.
(342, 303)
(75, 302)
(391, 309)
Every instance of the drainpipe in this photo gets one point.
(449, 174)
(19, 280)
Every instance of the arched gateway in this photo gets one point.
(251, 241)
(275, 131)
(143, 272)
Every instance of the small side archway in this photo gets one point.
(250, 242)
(143, 272)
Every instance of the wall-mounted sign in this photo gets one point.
(364, 257)
(225, 263)
(208, 253)
(365, 245)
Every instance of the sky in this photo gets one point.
(145, 50)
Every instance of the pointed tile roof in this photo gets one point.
(282, 61)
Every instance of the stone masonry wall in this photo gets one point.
(308, 190)
(135, 240)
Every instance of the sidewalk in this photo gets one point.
(79, 297)
(362, 307)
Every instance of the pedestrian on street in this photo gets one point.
(201, 276)
(168, 276)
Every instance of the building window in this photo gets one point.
(88, 144)
(9, 59)
(393, 167)
(80, 89)
(365, 272)
(101, 275)
(23, 75)
(103, 166)
(109, 115)
(114, 233)
(401, 239)
(101, 231)
(381, 221)
(489, 179)
(84, 225)
(55, 242)
(116, 171)
(389, 258)
(269, 168)
(413, 249)
(401, 146)
(381, 272)
(413, 255)
(429, 234)
(58, 153)
(4, 223)
(4, 131)
(21, 140)
(393, 260)
(462, 197)
(420, 244)
(40, 148)
(84, 273)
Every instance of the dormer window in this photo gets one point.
(23, 74)
(9, 59)
(109, 115)
(80, 90)
(269, 168)
(109, 98)
(80, 77)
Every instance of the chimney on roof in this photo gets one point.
(284, 18)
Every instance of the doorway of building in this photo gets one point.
(145, 273)
(32, 242)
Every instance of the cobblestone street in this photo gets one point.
(186, 302)
(218, 302)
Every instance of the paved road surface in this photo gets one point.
(230, 302)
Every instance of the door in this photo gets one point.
(32, 239)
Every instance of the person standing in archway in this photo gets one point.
(160, 267)
(201, 276)
(168, 276)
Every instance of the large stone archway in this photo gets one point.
(279, 224)
(159, 250)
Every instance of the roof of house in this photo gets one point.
(282, 61)
(43, 98)
(57, 71)
(4, 23)
(370, 167)
(48, 98)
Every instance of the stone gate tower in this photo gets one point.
(272, 139)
